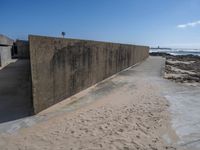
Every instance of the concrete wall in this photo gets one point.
(63, 67)
(5, 55)
(22, 49)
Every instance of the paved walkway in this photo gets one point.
(185, 109)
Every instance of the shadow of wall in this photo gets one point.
(15, 91)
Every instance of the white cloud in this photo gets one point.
(190, 24)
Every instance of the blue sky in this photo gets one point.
(173, 23)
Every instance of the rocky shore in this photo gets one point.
(184, 69)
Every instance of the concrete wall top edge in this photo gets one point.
(83, 40)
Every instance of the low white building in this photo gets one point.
(5, 50)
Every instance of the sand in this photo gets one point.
(134, 116)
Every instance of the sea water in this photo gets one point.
(177, 51)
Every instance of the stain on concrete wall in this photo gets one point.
(62, 67)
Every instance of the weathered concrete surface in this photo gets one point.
(5, 50)
(22, 49)
(5, 55)
(15, 90)
(185, 104)
(62, 67)
(5, 41)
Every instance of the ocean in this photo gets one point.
(177, 51)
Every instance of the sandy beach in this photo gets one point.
(128, 113)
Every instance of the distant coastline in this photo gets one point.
(161, 48)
